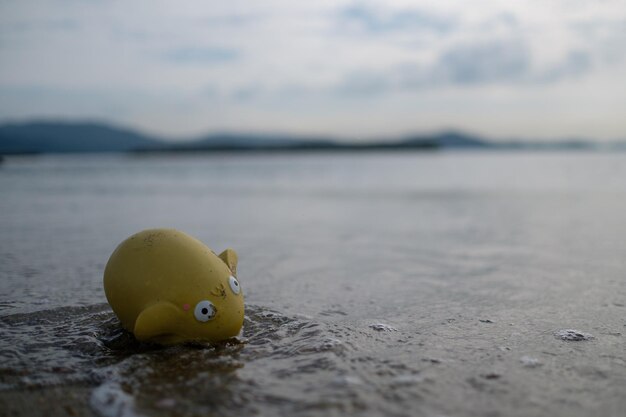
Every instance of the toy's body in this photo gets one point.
(167, 287)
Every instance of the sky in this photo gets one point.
(356, 69)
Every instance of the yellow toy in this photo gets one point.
(167, 287)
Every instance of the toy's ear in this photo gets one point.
(229, 257)
(159, 319)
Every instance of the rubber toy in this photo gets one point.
(167, 287)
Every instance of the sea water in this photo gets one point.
(376, 284)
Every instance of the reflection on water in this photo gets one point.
(375, 284)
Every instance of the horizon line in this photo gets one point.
(170, 138)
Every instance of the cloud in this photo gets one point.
(204, 55)
(466, 65)
(247, 93)
(606, 36)
(574, 64)
(484, 62)
(364, 83)
(381, 20)
(41, 25)
(234, 19)
(462, 64)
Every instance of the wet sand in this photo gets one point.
(51, 401)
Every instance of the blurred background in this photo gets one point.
(428, 200)
(352, 69)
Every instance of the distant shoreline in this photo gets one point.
(66, 137)
(295, 148)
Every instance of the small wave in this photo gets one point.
(52, 347)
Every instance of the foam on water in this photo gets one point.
(281, 363)
(573, 335)
(110, 400)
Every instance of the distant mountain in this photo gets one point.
(62, 137)
(450, 139)
(547, 145)
(65, 137)
(234, 142)
(278, 143)
(274, 143)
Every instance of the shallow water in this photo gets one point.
(395, 284)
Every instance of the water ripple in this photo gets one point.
(288, 364)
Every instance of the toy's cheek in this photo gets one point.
(186, 307)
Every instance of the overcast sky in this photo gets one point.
(536, 69)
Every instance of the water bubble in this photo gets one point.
(530, 362)
(109, 400)
(381, 327)
(571, 335)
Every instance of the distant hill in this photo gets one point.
(234, 141)
(66, 137)
(449, 139)
(276, 143)
(265, 143)
(63, 137)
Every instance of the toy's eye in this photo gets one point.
(234, 285)
(204, 311)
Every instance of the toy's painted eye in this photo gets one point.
(204, 311)
(234, 285)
